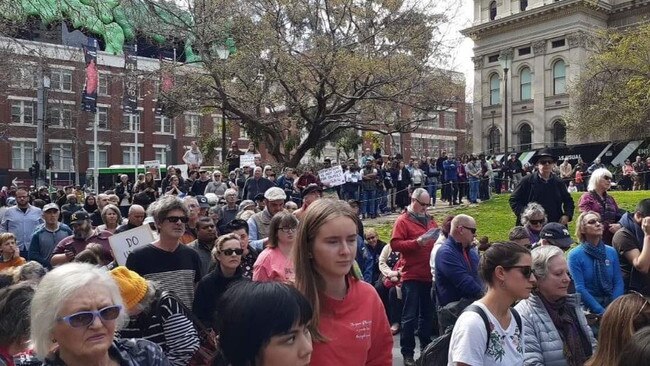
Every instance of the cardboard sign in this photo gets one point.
(124, 243)
(248, 160)
(153, 167)
(332, 176)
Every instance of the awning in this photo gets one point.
(526, 156)
(627, 151)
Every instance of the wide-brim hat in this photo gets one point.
(543, 153)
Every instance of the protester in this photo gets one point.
(216, 186)
(135, 219)
(9, 254)
(90, 205)
(78, 308)
(309, 194)
(193, 213)
(372, 248)
(390, 265)
(22, 220)
(402, 180)
(15, 302)
(506, 269)
(636, 352)
(111, 218)
(555, 234)
(256, 184)
(124, 191)
(69, 207)
(533, 219)
(274, 263)
(96, 216)
(632, 243)
(204, 243)
(193, 157)
(555, 328)
(597, 200)
(259, 223)
(82, 235)
(349, 323)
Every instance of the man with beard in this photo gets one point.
(259, 223)
(48, 236)
(96, 217)
(206, 235)
(71, 206)
(82, 235)
(22, 220)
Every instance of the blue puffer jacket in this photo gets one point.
(127, 352)
(544, 346)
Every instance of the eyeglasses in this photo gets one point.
(472, 229)
(86, 318)
(423, 204)
(371, 238)
(288, 229)
(229, 252)
(174, 219)
(607, 177)
(593, 222)
(545, 162)
(536, 222)
(525, 270)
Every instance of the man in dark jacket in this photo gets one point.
(545, 188)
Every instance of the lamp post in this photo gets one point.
(505, 59)
(223, 52)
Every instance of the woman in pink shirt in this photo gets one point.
(274, 263)
(349, 325)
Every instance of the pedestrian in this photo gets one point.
(22, 220)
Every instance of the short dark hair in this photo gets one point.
(15, 303)
(235, 225)
(271, 308)
(643, 208)
(504, 254)
(204, 220)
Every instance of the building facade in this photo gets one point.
(546, 45)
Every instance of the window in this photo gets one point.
(450, 119)
(396, 143)
(429, 120)
(494, 140)
(22, 155)
(524, 51)
(22, 112)
(558, 43)
(60, 116)
(103, 157)
(523, 4)
(243, 135)
(525, 81)
(131, 122)
(192, 125)
(62, 157)
(163, 124)
(525, 137)
(103, 86)
(25, 77)
(161, 155)
(492, 59)
(61, 80)
(559, 77)
(128, 155)
(101, 118)
(559, 133)
(495, 92)
(493, 10)
(416, 146)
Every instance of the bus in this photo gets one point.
(110, 176)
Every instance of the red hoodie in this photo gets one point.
(356, 327)
(416, 258)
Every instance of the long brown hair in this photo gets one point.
(308, 281)
(623, 317)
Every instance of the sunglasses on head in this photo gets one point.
(85, 318)
(525, 270)
(174, 219)
(593, 222)
(229, 252)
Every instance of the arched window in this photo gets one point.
(493, 10)
(523, 4)
(559, 133)
(525, 83)
(494, 140)
(495, 89)
(559, 77)
(525, 137)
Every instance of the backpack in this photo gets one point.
(436, 353)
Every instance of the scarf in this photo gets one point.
(627, 221)
(576, 345)
(597, 253)
(421, 218)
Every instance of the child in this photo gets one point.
(572, 187)
(10, 254)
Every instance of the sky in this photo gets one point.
(461, 58)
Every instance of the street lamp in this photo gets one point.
(505, 59)
(223, 52)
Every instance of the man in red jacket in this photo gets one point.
(413, 236)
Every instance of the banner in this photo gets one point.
(89, 93)
(125, 242)
(130, 102)
(332, 176)
(153, 167)
(166, 83)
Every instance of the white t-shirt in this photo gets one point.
(468, 340)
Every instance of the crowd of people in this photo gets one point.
(251, 270)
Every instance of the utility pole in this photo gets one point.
(41, 110)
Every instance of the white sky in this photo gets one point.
(461, 57)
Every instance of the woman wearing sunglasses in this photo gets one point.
(227, 254)
(555, 328)
(533, 220)
(274, 263)
(74, 315)
(594, 267)
(506, 268)
(597, 200)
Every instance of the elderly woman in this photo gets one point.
(112, 218)
(594, 266)
(555, 328)
(14, 321)
(597, 200)
(533, 219)
(157, 316)
(74, 315)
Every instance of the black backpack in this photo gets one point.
(437, 352)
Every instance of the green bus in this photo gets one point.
(110, 176)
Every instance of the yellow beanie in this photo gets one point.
(132, 286)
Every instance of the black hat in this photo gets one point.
(79, 217)
(557, 234)
(203, 201)
(311, 188)
(543, 153)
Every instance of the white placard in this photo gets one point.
(124, 243)
(153, 167)
(248, 159)
(332, 176)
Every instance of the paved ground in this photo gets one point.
(439, 210)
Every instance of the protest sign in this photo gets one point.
(248, 160)
(153, 167)
(332, 176)
(124, 243)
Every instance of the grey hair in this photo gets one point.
(518, 232)
(596, 176)
(135, 207)
(541, 256)
(145, 304)
(531, 209)
(59, 286)
(418, 192)
(460, 220)
(229, 192)
(30, 271)
(160, 208)
(114, 208)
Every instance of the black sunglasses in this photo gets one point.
(545, 161)
(85, 318)
(174, 219)
(423, 204)
(472, 229)
(229, 252)
(536, 222)
(525, 270)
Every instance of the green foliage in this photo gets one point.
(208, 142)
(612, 94)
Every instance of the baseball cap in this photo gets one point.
(203, 201)
(557, 234)
(50, 206)
(311, 188)
(79, 217)
(275, 194)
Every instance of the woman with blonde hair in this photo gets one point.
(112, 218)
(349, 323)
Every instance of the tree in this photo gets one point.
(612, 94)
(306, 70)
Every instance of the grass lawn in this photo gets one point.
(494, 218)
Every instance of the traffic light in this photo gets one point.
(48, 161)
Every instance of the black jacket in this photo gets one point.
(208, 292)
(551, 194)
